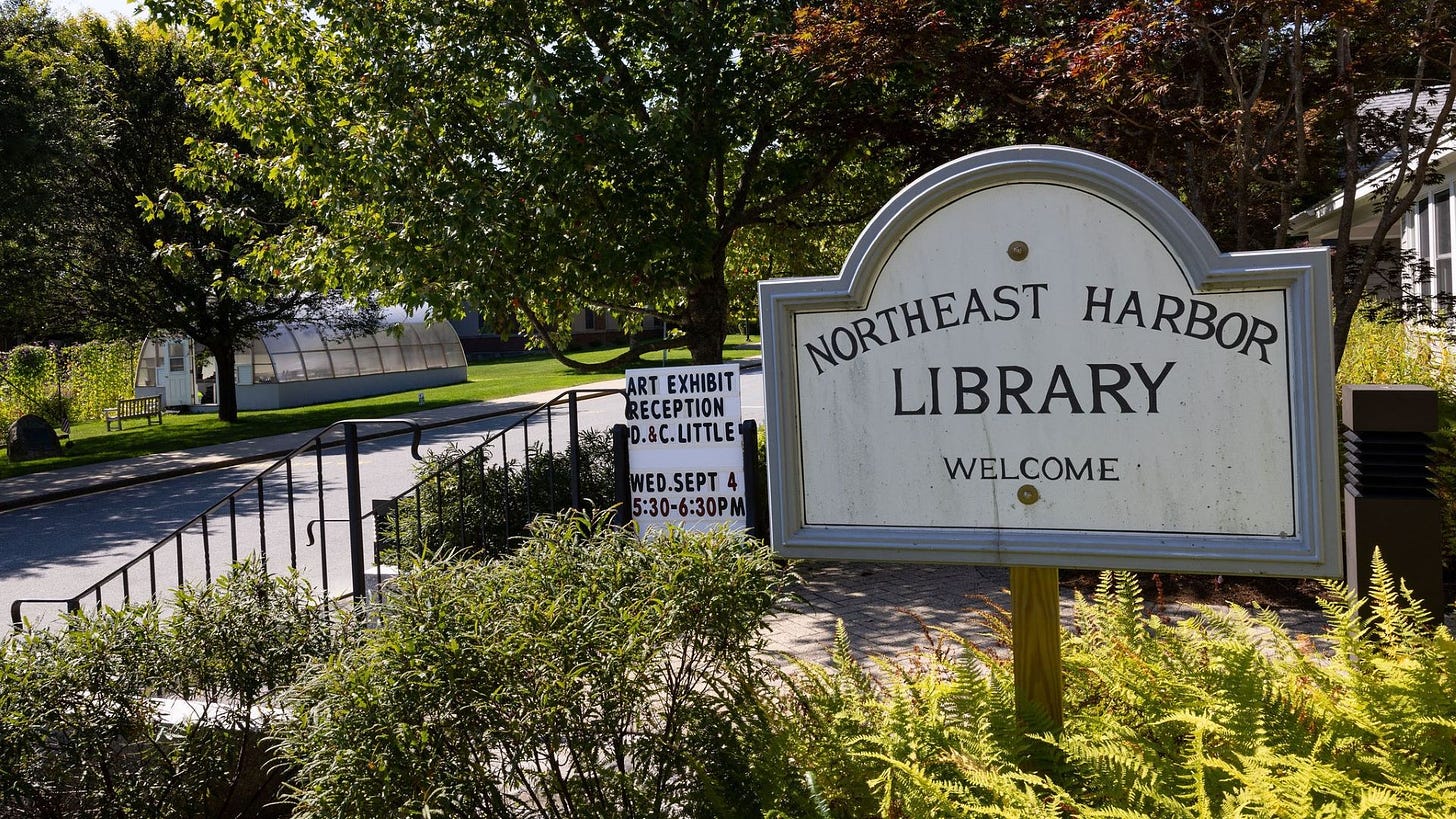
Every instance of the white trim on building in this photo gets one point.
(1427, 229)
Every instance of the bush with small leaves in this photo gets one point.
(467, 506)
(98, 373)
(159, 712)
(29, 385)
(588, 674)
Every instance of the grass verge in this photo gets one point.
(517, 375)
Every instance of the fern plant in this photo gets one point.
(938, 737)
(1223, 714)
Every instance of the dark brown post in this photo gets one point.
(621, 466)
(754, 521)
(1388, 500)
(356, 510)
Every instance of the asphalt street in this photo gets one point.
(55, 550)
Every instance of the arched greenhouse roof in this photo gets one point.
(301, 352)
(298, 364)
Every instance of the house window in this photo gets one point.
(176, 356)
(1441, 227)
(1431, 227)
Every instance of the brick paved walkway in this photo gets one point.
(884, 606)
(887, 607)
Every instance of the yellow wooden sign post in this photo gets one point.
(1036, 645)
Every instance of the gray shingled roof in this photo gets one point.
(1386, 112)
(1431, 99)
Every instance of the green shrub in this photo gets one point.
(97, 374)
(588, 674)
(92, 376)
(467, 508)
(81, 733)
(1388, 352)
(29, 385)
(1222, 715)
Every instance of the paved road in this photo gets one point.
(59, 548)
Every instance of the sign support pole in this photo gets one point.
(1036, 645)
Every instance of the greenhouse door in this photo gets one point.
(176, 374)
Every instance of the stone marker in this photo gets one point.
(32, 437)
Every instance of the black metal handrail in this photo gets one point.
(474, 462)
(255, 486)
(217, 528)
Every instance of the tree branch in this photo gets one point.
(631, 91)
(633, 353)
(811, 182)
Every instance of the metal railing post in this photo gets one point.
(754, 517)
(356, 508)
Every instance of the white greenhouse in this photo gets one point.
(296, 365)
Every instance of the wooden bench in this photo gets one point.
(127, 409)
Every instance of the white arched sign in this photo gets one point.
(1036, 356)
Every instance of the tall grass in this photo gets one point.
(1383, 352)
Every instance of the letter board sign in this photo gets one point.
(1037, 356)
(684, 449)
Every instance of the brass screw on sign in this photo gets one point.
(1018, 251)
(1027, 494)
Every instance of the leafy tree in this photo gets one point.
(52, 127)
(786, 249)
(1248, 111)
(188, 279)
(535, 158)
(1252, 111)
(116, 268)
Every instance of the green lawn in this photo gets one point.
(91, 443)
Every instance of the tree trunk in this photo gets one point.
(706, 323)
(1344, 317)
(705, 316)
(227, 383)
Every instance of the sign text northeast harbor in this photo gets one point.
(1036, 356)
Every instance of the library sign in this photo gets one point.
(1036, 356)
(684, 449)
